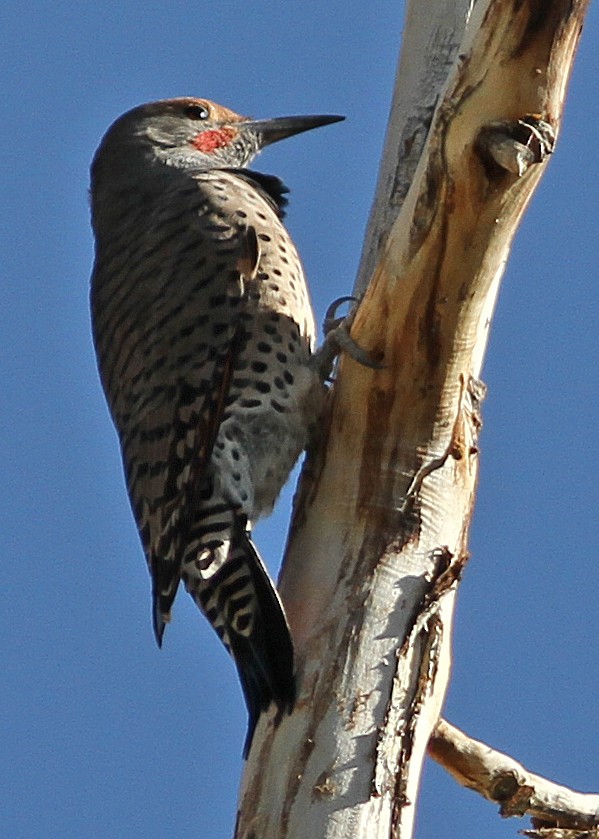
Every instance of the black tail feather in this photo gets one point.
(165, 582)
(264, 659)
(241, 602)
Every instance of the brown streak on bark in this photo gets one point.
(427, 204)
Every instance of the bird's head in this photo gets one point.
(193, 134)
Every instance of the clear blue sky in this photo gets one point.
(102, 735)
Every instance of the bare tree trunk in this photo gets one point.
(381, 520)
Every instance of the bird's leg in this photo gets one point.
(338, 340)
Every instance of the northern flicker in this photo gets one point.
(204, 333)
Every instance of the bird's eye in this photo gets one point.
(197, 112)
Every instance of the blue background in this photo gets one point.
(102, 735)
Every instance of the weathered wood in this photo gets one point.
(381, 521)
(501, 779)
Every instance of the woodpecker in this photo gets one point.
(204, 335)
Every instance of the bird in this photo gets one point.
(204, 335)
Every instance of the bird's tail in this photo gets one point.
(240, 601)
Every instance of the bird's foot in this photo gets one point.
(338, 340)
(331, 321)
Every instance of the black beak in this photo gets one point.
(270, 131)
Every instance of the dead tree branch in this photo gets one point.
(501, 779)
(380, 530)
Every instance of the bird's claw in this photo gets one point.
(338, 339)
(331, 321)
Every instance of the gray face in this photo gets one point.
(184, 133)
